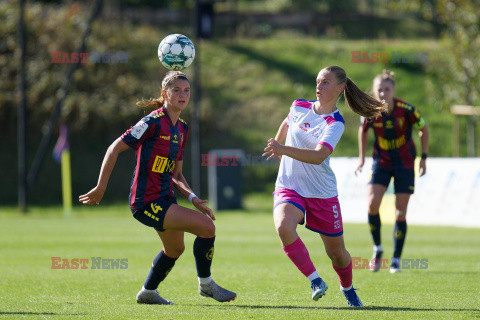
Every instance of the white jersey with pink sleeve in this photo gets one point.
(307, 129)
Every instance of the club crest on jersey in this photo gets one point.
(175, 138)
(400, 122)
(316, 132)
(389, 124)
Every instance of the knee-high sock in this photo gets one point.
(298, 253)
(345, 275)
(161, 266)
(399, 234)
(203, 252)
(375, 225)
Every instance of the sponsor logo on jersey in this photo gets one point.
(391, 144)
(303, 128)
(139, 129)
(165, 138)
(163, 165)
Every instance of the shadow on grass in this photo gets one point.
(366, 308)
(295, 72)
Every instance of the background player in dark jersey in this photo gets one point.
(394, 155)
(159, 141)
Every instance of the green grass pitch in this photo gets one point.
(248, 260)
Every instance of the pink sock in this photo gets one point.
(344, 275)
(298, 253)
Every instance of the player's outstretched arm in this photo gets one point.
(95, 195)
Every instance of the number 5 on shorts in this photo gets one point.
(335, 211)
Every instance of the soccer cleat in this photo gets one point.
(352, 299)
(395, 266)
(318, 288)
(151, 297)
(376, 261)
(214, 291)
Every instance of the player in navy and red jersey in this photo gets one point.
(159, 141)
(394, 155)
(306, 187)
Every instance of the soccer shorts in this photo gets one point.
(320, 215)
(403, 179)
(153, 213)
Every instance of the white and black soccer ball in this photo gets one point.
(176, 52)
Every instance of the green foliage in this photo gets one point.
(456, 72)
(247, 87)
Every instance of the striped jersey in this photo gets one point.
(307, 129)
(394, 147)
(157, 144)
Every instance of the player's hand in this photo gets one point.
(273, 150)
(359, 168)
(200, 205)
(423, 167)
(94, 196)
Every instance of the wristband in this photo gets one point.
(424, 156)
(191, 196)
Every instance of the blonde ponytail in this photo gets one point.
(360, 102)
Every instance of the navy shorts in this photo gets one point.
(153, 213)
(403, 179)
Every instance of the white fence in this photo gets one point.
(448, 194)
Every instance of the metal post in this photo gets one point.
(456, 136)
(195, 136)
(471, 136)
(21, 115)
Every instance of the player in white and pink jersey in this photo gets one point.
(306, 188)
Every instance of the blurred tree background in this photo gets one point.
(262, 55)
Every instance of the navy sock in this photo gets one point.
(161, 266)
(375, 224)
(399, 234)
(203, 252)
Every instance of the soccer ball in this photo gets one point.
(176, 52)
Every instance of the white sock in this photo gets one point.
(377, 248)
(313, 276)
(346, 289)
(147, 290)
(205, 280)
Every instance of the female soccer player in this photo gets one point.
(306, 188)
(393, 156)
(159, 141)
